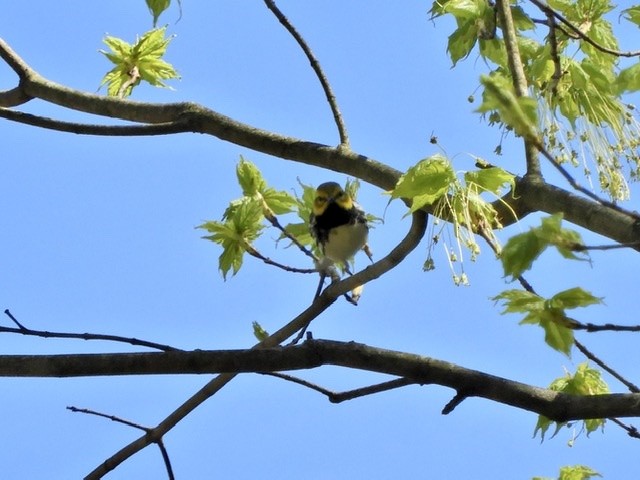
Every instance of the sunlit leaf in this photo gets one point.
(556, 335)
(574, 298)
(491, 179)
(249, 178)
(519, 301)
(519, 113)
(242, 225)
(629, 79)
(425, 182)
(519, 253)
(586, 381)
(462, 41)
(259, 332)
(137, 62)
(632, 14)
(577, 472)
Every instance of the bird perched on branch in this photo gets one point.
(338, 225)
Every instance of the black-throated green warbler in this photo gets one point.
(338, 225)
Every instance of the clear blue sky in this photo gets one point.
(98, 236)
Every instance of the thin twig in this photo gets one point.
(14, 320)
(591, 356)
(331, 98)
(159, 442)
(572, 181)
(630, 429)
(256, 254)
(22, 330)
(338, 397)
(276, 223)
(582, 248)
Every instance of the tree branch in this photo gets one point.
(519, 78)
(315, 65)
(190, 117)
(113, 418)
(314, 353)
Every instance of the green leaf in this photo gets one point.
(632, 14)
(519, 113)
(278, 201)
(519, 301)
(137, 62)
(462, 41)
(521, 250)
(586, 381)
(242, 225)
(259, 332)
(156, 7)
(556, 334)
(519, 253)
(574, 298)
(629, 79)
(577, 472)
(249, 178)
(425, 182)
(521, 20)
(491, 179)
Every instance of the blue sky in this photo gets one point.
(98, 236)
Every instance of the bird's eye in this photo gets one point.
(320, 200)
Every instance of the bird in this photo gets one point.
(338, 225)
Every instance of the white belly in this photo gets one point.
(345, 241)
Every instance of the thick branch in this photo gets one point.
(314, 353)
(191, 117)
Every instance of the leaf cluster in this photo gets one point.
(522, 250)
(433, 183)
(136, 62)
(575, 472)
(548, 313)
(576, 80)
(586, 381)
(243, 220)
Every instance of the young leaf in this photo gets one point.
(243, 224)
(425, 182)
(519, 113)
(577, 472)
(632, 14)
(573, 298)
(249, 178)
(519, 301)
(586, 381)
(520, 252)
(140, 61)
(629, 79)
(259, 332)
(556, 334)
(491, 179)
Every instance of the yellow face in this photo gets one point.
(330, 192)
